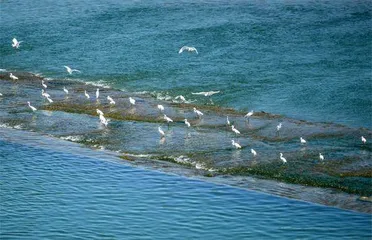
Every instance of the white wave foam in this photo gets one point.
(3, 70)
(99, 83)
(72, 138)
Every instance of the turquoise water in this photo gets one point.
(61, 191)
(303, 59)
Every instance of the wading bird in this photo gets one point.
(15, 43)
(167, 119)
(198, 113)
(86, 94)
(363, 140)
(161, 108)
(161, 132)
(321, 157)
(303, 141)
(32, 108)
(253, 152)
(235, 144)
(282, 158)
(235, 130)
(13, 77)
(187, 123)
(65, 90)
(132, 100)
(111, 100)
(97, 93)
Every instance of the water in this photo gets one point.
(300, 59)
(58, 190)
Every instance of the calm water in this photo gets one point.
(303, 59)
(47, 192)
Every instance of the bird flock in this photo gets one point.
(104, 121)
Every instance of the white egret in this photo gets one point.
(278, 127)
(132, 100)
(111, 100)
(180, 97)
(97, 93)
(321, 157)
(70, 70)
(161, 132)
(187, 123)
(235, 144)
(44, 94)
(198, 113)
(363, 140)
(99, 112)
(32, 108)
(249, 114)
(161, 108)
(282, 158)
(303, 141)
(15, 43)
(103, 120)
(189, 49)
(49, 100)
(228, 121)
(167, 119)
(235, 130)
(206, 94)
(86, 94)
(13, 77)
(65, 90)
(253, 152)
(43, 84)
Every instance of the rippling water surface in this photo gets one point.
(47, 192)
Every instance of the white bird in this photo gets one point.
(13, 77)
(187, 123)
(249, 114)
(15, 43)
(180, 97)
(44, 94)
(103, 120)
(99, 112)
(282, 158)
(167, 119)
(303, 141)
(161, 107)
(161, 132)
(321, 157)
(279, 126)
(206, 94)
(86, 94)
(97, 93)
(189, 49)
(70, 71)
(132, 100)
(235, 144)
(32, 108)
(253, 152)
(228, 121)
(44, 85)
(49, 100)
(1, 94)
(111, 100)
(65, 90)
(363, 139)
(198, 113)
(235, 130)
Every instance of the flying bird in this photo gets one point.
(189, 49)
(32, 108)
(235, 144)
(180, 97)
(70, 71)
(15, 43)
(206, 94)
(13, 77)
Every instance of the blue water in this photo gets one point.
(303, 59)
(49, 192)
